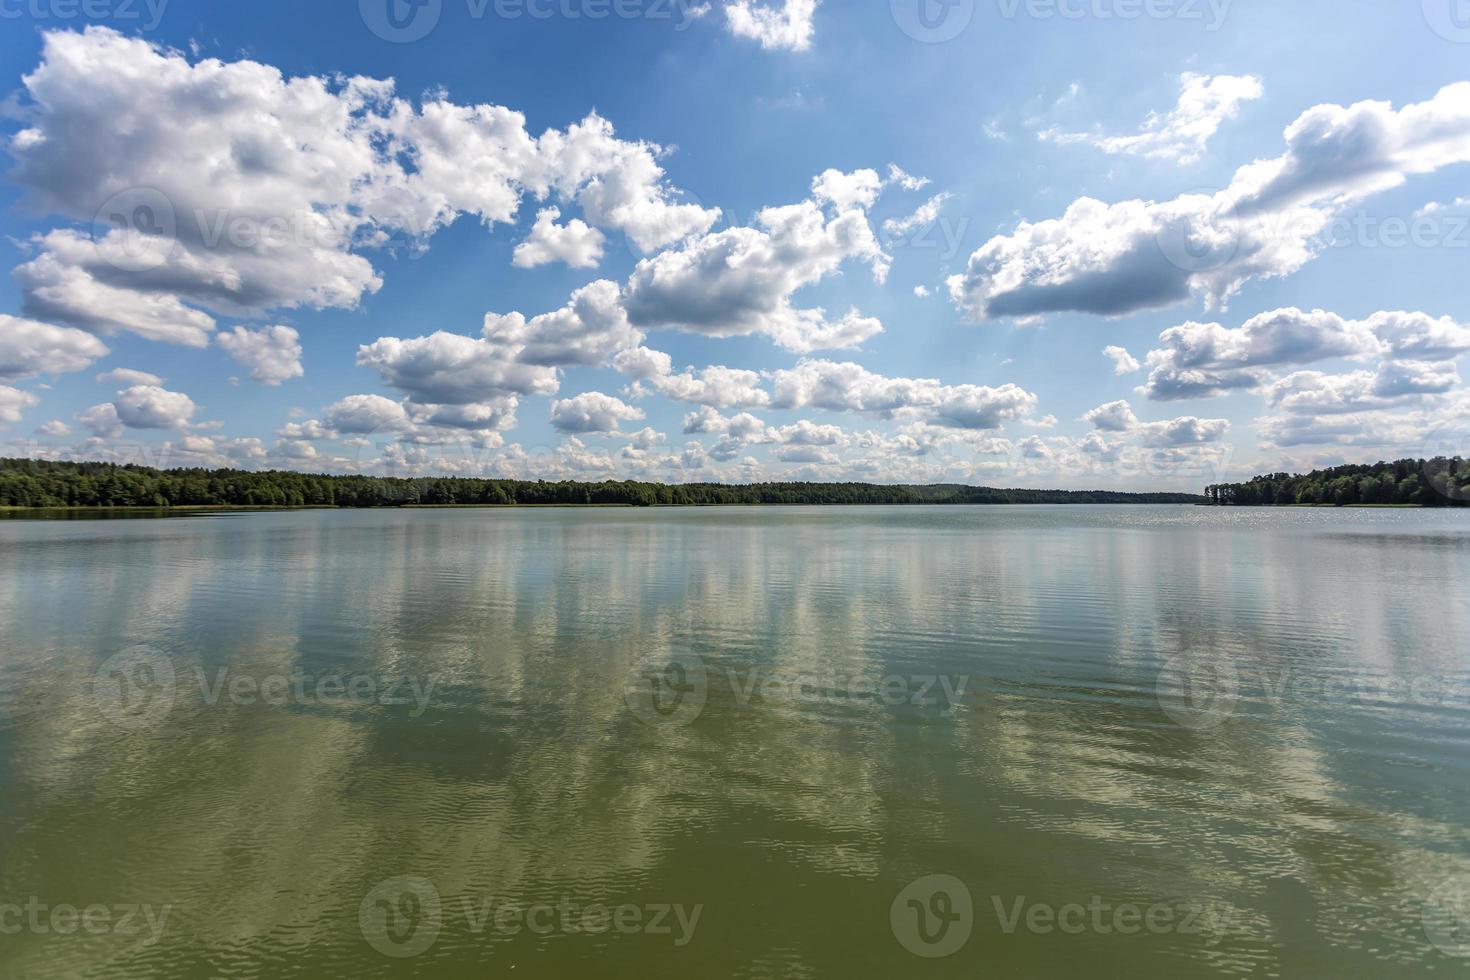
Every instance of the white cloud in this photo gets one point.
(29, 348)
(847, 387)
(921, 291)
(1113, 417)
(1184, 431)
(576, 243)
(100, 420)
(1182, 134)
(897, 175)
(1418, 335)
(591, 412)
(363, 415)
(641, 363)
(858, 189)
(1123, 362)
(273, 354)
(13, 402)
(1202, 359)
(587, 331)
(716, 386)
(263, 189)
(452, 369)
(804, 432)
(741, 280)
(619, 185)
(123, 377)
(54, 429)
(1395, 382)
(152, 407)
(1112, 259)
(777, 24)
(926, 214)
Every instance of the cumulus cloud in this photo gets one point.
(1113, 417)
(591, 412)
(640, 363)
(100, 420)
(139, 407)
(897, 175)
(256, 191)
(1202, 359)
(452, 369)
(365, 414)
(858, 189)
(1184, 431)
(1123, 362)
(1318, 393)
(576, 243)
(1112, 259)
(1419, 335)
(923, 216)
(741, 280)
(273, 354)
(124, 377)
(717, 386)
(847, 387)
(587, 331)
(151, 407)
(775, 24)
(29, 348)
(13, 402)
(1180, 135)
(54, 429)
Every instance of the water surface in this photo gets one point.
(385, 743)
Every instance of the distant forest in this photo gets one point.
(1439, 482)
(37, 483)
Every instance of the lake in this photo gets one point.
(777, 742)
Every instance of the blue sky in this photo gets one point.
(1010, 113)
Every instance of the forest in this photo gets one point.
(1439, 482)
(41, 483)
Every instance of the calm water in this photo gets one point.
(1155, 742)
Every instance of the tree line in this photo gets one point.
(1439, 482)
(42, 483)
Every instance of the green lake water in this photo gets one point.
(778, 742)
